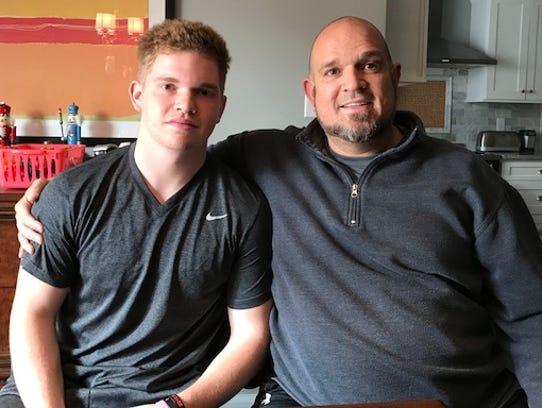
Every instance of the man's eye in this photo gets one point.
(331, 72)
(167, 87)
(372, 66)
(205, 92)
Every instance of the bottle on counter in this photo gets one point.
(7, 126)
(73, 125)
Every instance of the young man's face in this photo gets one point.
(180, 100)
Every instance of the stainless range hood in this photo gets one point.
(443, 50)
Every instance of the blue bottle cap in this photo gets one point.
(73, 109)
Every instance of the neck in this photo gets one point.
(167, 171)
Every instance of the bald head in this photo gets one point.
(342, 30)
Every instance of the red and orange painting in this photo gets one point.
(57, 52)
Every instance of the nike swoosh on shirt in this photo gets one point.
(210, 217)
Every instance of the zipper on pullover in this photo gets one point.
(353, 210)
(354, 193)
(353, 214)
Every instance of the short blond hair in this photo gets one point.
(182, 35)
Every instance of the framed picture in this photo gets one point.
(61, 52)
(430, 100)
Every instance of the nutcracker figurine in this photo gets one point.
(73, 124)
(7, 126)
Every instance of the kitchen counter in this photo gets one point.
(517, 156)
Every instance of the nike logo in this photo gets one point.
(210, 217)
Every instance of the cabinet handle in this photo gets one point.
(539, 198)
(539, 172)
(523, 91)
(531, 91)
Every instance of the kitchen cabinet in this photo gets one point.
(9, 264)
(511, 32)
(406, 35)
(526, 177)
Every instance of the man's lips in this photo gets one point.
(182, 123)
(355, 104)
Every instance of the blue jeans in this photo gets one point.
(10, 401)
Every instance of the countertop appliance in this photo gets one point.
(528, 140)
(498, 141)
(492, 159)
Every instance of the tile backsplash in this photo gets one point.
(467, 118)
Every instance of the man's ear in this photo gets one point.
(308, 87)
(396, 73)
(135, 91)
(224, 101)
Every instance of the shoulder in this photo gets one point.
(254, 142)
(252, 150)
(458, 169)
(230, 182)
(87, 176)
(455, 158)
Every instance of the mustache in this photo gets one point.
(359, 95)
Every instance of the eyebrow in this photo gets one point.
(206, 85)
(365, 56)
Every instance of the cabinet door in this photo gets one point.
(511, 32)
(510, 21)
(526, 177)
(406, 34)
(530, 170)
(534, 72)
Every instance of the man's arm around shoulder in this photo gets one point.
(29, 229)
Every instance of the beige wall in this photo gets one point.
(269, 41)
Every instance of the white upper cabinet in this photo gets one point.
(406, 34)
(511, 32)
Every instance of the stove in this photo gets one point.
(493, 159)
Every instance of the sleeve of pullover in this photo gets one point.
(510, 250)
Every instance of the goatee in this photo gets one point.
(361, 134)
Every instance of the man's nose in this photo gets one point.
(185, 103)
(354, 80)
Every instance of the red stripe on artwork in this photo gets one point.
(64, 30)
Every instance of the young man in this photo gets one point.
(154, 281)
(403, 266)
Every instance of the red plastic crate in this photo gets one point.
(23, 163)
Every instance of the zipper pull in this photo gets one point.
(354, 192)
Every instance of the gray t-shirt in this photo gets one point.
(149, 282)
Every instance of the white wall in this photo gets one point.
(269, 41)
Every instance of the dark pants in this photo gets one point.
(271, 395)
(10, 401)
